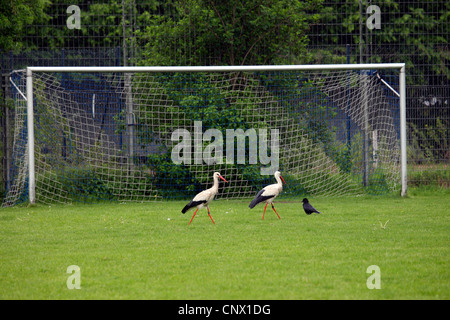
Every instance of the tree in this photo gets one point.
(15, 17)
(227, 33)
(414, 33)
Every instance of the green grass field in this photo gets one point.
(148, 251)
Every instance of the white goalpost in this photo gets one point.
(155, 133)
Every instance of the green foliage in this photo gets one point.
(244, 32)
(429, 175)
(171, 180)
(16, 17)
(83, 185)
(377, 183)
(406, 28)
(101, 17)
(429, 144)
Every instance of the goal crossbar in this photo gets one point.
(364, 66)
(192, 69)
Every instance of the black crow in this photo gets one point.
(308, 207)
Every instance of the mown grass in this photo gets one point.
(148, 251)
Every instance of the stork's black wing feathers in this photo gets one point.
(259, 198)
(192, 204)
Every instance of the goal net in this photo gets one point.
(155, 134)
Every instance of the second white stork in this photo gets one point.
(203, 198)
(269, 193)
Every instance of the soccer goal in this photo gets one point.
(156, 133)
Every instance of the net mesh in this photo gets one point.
(155, 136)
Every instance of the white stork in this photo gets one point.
(269, 193)
(203, 198)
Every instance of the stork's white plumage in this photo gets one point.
(203, 198)
(269, 193)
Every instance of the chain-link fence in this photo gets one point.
(130, 32)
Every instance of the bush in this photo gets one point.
(378, 183)
(171, 180)
(84, 185)
(438, 175)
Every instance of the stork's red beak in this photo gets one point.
(223, 179)
(283, 179)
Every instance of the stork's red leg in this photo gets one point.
(275, 211)
(264, 211)
(209, 214)
(193, 216)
